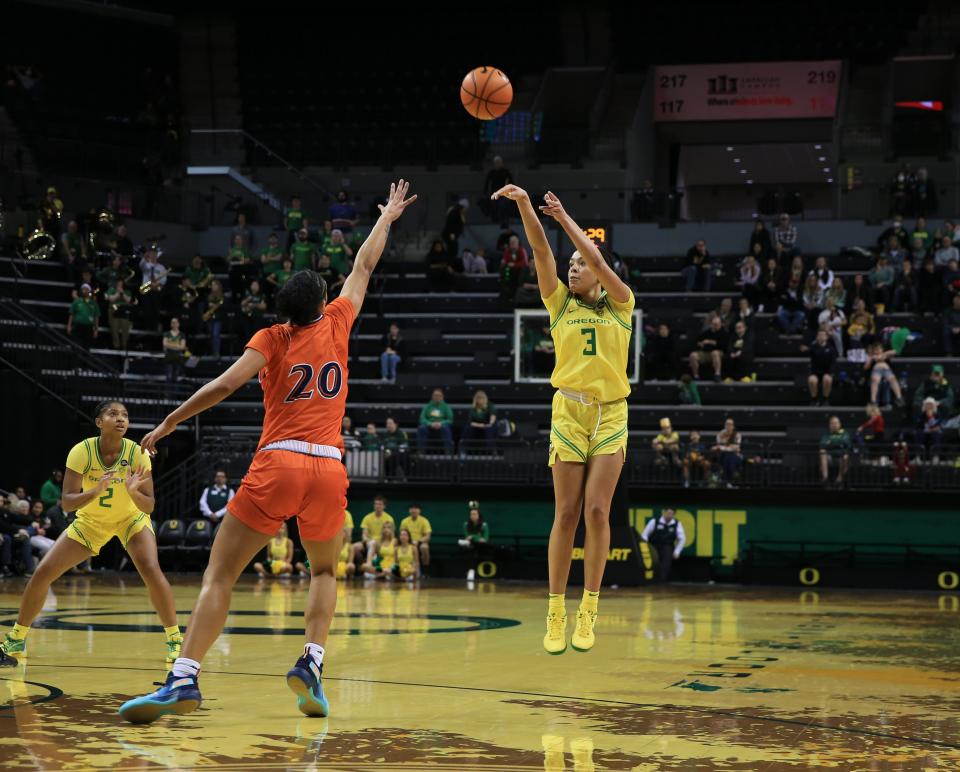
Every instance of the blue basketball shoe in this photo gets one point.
(178, 694)
(304, 681)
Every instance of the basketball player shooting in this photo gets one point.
(297, 470)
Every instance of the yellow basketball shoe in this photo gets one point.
(555, 641)
(583, 638)
(174, 643)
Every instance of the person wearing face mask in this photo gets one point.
(590, 324)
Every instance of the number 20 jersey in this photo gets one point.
(305, 379)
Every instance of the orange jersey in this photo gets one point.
(305, 379)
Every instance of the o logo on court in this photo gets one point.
(948, 603)
(809, 576)
(948, 580)
(486, 569)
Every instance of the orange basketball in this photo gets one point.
(486, 93)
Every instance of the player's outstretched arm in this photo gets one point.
(542, 254)
(615, 286)
(213, 393)
(355, 287)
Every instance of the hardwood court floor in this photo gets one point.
(450, 678)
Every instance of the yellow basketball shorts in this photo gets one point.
(579, 431)
(93, 534)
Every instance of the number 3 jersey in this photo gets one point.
(592, 344)
(305, 379)
(114, 504)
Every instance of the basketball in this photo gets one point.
(486, 93)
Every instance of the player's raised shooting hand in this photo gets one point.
(149, 441)
(553, 208)
(396, 201)
(513, 192)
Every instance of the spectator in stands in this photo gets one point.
(698, 263)
(760, 238)
(349, 435)
(253, 307)
(812, 300)
(370, 440)
(174, 350)
(153, 276)
(665, 534)
(862, 327)
(453, 227)
(937, 387)
(84, 319)
(108, 275)
(394, 347)
(303, 252)
(214, 499)
(771, 285)
(929, 288)
(333, 278)
(660, 355)
(15, 545)
(73, 246)
(241, 231)
(905, 292)
(895, 253)
(279, 555)
(372, 525)
(687, 392)
(785, 239)
(395, 448)
(528, 291)
(339, 252)
(120, 309)
(294, 219)
(695, 462)
(50, 490)
(744, 313)
(879, 369)
(86, 277)
(835, 447)
(440, 273)
(740, 354)
(709, 348)
(52, 210)
(240, 268)
(948, 229)
(859, 290)
(918, 253)
(951, 282)
(503, 238)
(40, 540)
(797, 269)
(499, 176)
(281, 277)
(271, 256)
(724, 312)
(420, 532)
(929, 432)
(872, 430)
(123, 245)
(920, 231)
(666, 445)
(823, 273)
(343, 214)
(436, 418)
(790, 313)
(513, 266)
(481, 423)
(750, 280)
(727, 448)
(837, 293)
(213, 316)
(896, 230)
(475, 264)
(951, 327)
(476, 533)
(833, 320)
(881, 283)
(823, 355)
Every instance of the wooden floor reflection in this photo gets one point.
(451, 677)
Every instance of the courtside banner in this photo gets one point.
(739, 92)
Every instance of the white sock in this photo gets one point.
(315, 652)
(186, 667)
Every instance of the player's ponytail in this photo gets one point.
(299, 300)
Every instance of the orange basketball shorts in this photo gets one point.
(281, 484)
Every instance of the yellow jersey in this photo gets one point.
(405, 557)
(114, 504)
(344, 552)
(388, 554)
(278, 548)
(347, 519)
(592, 344)
(373, 525)
(418, 528)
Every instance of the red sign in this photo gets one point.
(738, 92)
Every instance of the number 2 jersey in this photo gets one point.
(592, 344)
(115, 504)
(305, 379)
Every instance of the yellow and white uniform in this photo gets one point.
(277, 550)
(373, 525)
(388, 555)
(113, 513)
(592, 344)
(418, 528)
(405, 560)
(342, 560)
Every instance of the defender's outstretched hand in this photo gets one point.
(149, 441)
